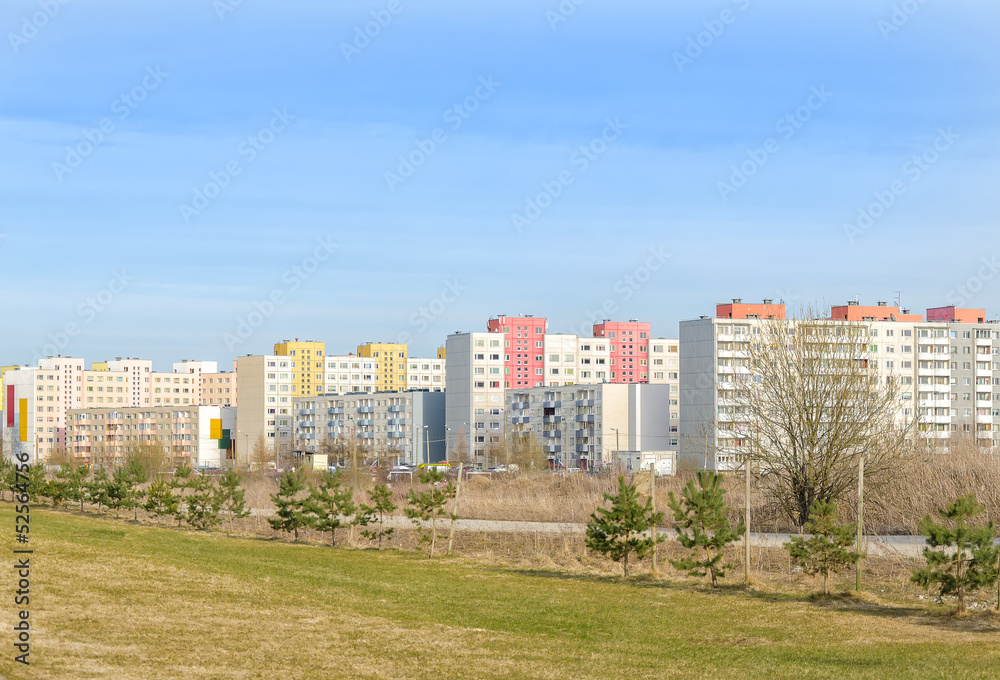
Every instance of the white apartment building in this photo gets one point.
(425, 374)
(586, 426)
(664, 369)
(264, 394)
(351, 373)
(36, 399)
(948, 373)
(569, 359)
(121, 383)
(175, 389)
(200, 435)
(406, 427)
(474, 405)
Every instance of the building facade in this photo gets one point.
(523, 341)
(391, 357)
(475, 395)
(948, 375)
(425, 374)
(198, 435)
(264, 394)
(586, 426)
(305, 364)
(399, 427)
(629, 343)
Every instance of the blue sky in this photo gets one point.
(441, 250)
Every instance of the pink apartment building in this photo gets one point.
(524, 364)
(629, 341)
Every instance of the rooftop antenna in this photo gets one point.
(899, 298)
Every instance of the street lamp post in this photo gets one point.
(427, 445)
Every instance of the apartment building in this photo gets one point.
(402, 427)
(264, 393)
(307, 369)
(351, 373)
(4, 369)
(175, 389)
(219, 389)
(629, 342)
(425, 374)
(199, 435)
(523, 336)
(36, 399)
(391, 357)
(474, 406)
(569, 359)
(587, 426)
(664, 364)
(947, 367)
(121, 383)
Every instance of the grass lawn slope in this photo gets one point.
(116, 600)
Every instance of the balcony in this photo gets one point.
(339, 411)
(585, 434)
(395, 435)
(585, 418)
(366, 435)
(553, 448)
(366, 409)
(519, 406)
(582, 448)
(552, 419)
(365, 421)
(551, 404)
(335, 423)
(584, 402)
(307, 423)
(397, 409)
(307, 412)
(552, 433)
(520, 420)
(396, 421)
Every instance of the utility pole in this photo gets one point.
(454, 506)
(652, 495)
(861, 510)
(746, 529)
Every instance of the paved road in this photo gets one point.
(903, 546)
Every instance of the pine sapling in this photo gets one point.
(826, 550)
(702, 518)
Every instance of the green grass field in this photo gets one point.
(115, 600)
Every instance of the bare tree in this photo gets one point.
(808, 402)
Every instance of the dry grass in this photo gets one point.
(125, 601)
(925, 482)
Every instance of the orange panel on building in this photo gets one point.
(738, 310)
(957, 315)
(852, 311)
